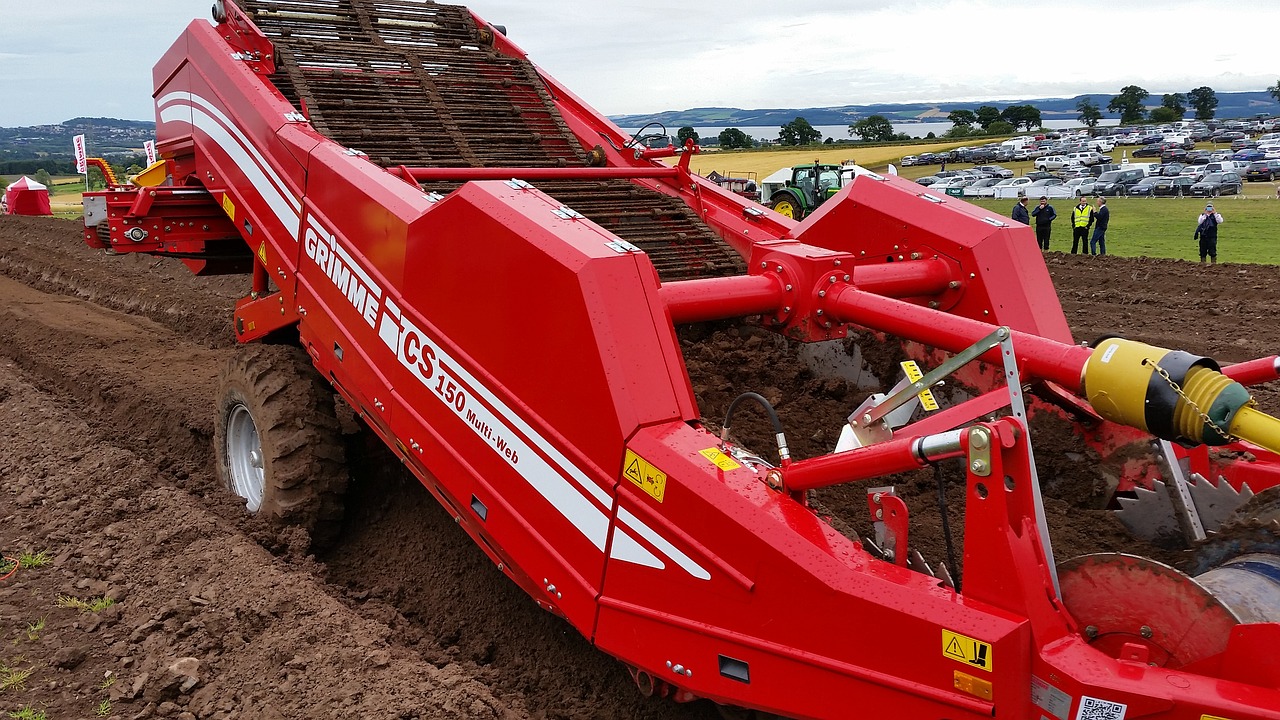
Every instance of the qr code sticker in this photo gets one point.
(1096, 709)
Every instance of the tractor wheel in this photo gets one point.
(277, 440)
(787, 207)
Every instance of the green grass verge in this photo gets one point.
(1163, 227)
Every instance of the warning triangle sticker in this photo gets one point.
(262, 252)
(633, 471)
(954, 650)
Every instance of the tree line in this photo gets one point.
(990, 120)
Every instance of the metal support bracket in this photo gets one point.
(1019, 408)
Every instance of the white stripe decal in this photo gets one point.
(240, 136)
(626, 549)
(671, 551)
(279, 205)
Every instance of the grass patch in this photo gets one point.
(34, 629)
(31, 560)
(107, 681)
(13, 678)
(6, 566)
(1163, 227)
(103, 709)
(93, 605)
(28, 713)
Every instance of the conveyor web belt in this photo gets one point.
(409, 82)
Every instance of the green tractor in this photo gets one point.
(810, 186)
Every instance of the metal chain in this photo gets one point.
(1204, 417)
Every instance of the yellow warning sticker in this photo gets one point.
(646, 477)
(262, 252)
(228, 207)
(719, 459)
(1212, 717)
(927, 401)
(973, 653)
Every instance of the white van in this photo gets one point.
(1234, 166)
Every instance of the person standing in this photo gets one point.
(1020, 211)
(1207, 233)
(1044, 215)
(1081, 221)
(1101, 216)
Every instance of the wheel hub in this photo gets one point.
(244, 457)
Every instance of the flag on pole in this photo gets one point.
(150, 147)
(82, 165)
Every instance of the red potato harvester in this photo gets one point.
(397, 179)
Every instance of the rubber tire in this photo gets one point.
(303, 456)
(797, 211)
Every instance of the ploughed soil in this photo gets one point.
(108, 368)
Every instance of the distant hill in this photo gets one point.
(27, 149)
(1230, 105)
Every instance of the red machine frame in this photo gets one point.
(575, 456)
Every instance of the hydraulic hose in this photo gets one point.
(784, 453)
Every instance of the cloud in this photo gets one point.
(644, 57)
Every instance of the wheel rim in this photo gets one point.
(244, 457)
(785, 208)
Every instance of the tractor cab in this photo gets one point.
(810, 186)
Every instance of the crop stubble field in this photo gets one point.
(109, 367)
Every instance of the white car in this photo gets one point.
(1011, 187)
(1051, 162)
(909, 160)
(1081, 186)
(985, 187)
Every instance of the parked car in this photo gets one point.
(909, 160)
(1152, 150)
(1096, 170)
(1266, 170)
(1039, 175)
(1215, 184)
(1117, 182)
(982, 188)
(1050, 162)
(1243, 143)
(1173, 186)
(1081, 186)
(1249, 156)
(1173, 154)
(1227, 165)
(1045, 182)
(995, 171)
(1145, 187)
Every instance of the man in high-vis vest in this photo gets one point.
(1081, 221)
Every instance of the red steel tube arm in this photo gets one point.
(718, 298)
(873, 461)
(904, 279)
(1254, 372)
(1040, 357)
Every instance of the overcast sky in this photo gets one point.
(66, 58)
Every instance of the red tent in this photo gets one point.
(27, 197)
